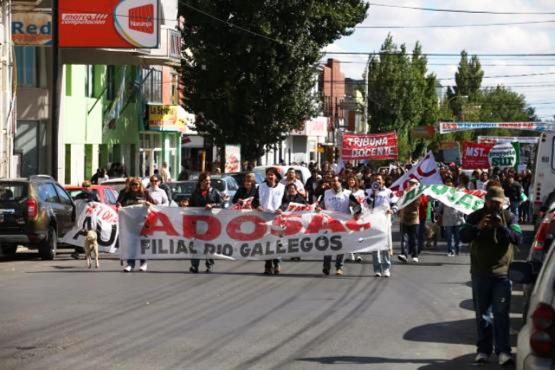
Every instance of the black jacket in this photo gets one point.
(212, 197)
(130, 198)
(243, 193)
(298, 198)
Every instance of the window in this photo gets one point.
(152, 85)
(26, 61)
(12, 191)
(63, 195)
(175, 89)
(68, 79)
(47, 193)
(109, 197)
(110, 83)
(89, 81)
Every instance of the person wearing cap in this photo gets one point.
(493, 234)
(410, 219)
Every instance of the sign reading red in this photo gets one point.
(370, 146)
(109, 23)
(475, 155)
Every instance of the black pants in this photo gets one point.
(269, 263)
(195, 262)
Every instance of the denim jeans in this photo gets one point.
(514, 209)
(492, 297)
(452, 235)
(410, 231)
(131, 263)
(381, 261)
(338, 262)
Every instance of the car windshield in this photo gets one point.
(185, 187)
(12, 191)
(117, 186)
(79, 194)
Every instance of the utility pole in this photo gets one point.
(365, 76)
(56, 86)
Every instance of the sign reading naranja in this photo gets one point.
(180, 233)
(448, 195)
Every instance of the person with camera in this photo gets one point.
(382, 199)
(493, 234)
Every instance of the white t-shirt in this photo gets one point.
(270, 198)
(337, 201)
(159, 196)
(383, 199)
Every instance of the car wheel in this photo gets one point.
(48, 247)
(9, 249)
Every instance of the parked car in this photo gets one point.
(34, 212)
(303, 173)
(536, 340)
(105, 194)
(543, 239)
(239, 177)
(225, 184)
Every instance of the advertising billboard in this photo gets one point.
(32, 29)
(126, 24)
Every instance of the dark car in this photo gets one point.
(34, 212)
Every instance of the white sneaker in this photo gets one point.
(481, 358)
(450, 254)
(127, 269)
(387, 273)
(402, 258)
(415, 259)
(359, 259)
(504, 359)
(143, 267)
(352, 257)
(378, 274)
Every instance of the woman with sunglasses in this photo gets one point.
(134, 194)
(205, 196)
(157, 194)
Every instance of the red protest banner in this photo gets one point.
(475, 155)
(369, 146)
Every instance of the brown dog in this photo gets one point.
(91, 246)
(432, 234)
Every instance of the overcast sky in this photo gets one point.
(528, 38)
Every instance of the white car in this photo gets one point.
(536, 340)
(303, 173)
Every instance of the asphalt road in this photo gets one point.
(59, 315)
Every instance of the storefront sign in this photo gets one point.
(369, 146)
(179, 233)
(165, 118)
(423, 132)
(32, 28)
(504, 155)
(447, 127)
(425, 171)
(508, 139)
(109, 23)
(232, 158)
(314, 127)
(475, 155)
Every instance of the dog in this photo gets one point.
(432, 234)
(91, 246)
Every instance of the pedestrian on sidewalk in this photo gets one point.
(208, 197)
(493, 234)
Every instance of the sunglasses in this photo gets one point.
(134, 184)
(154, 181)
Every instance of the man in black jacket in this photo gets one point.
(493, 233)
(205, 196)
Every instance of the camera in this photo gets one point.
(496, 217)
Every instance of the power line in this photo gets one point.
(457, 10)
(456, 63)
(432, 54)
(457, 25)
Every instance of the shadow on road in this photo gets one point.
(458, 363)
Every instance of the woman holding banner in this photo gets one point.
(268, 198)
(245, 194)
(353, 184)
(204, 196)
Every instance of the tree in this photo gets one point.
(252, 83)
(400, 94)
(468, 79)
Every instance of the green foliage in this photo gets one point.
(248, 89)
(400, 93)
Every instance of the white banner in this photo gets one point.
(94, 216)
(508, 139)
(425, 171)
(447, 127)
(451, 197)
(181, 233)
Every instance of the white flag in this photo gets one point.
(425, 171)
